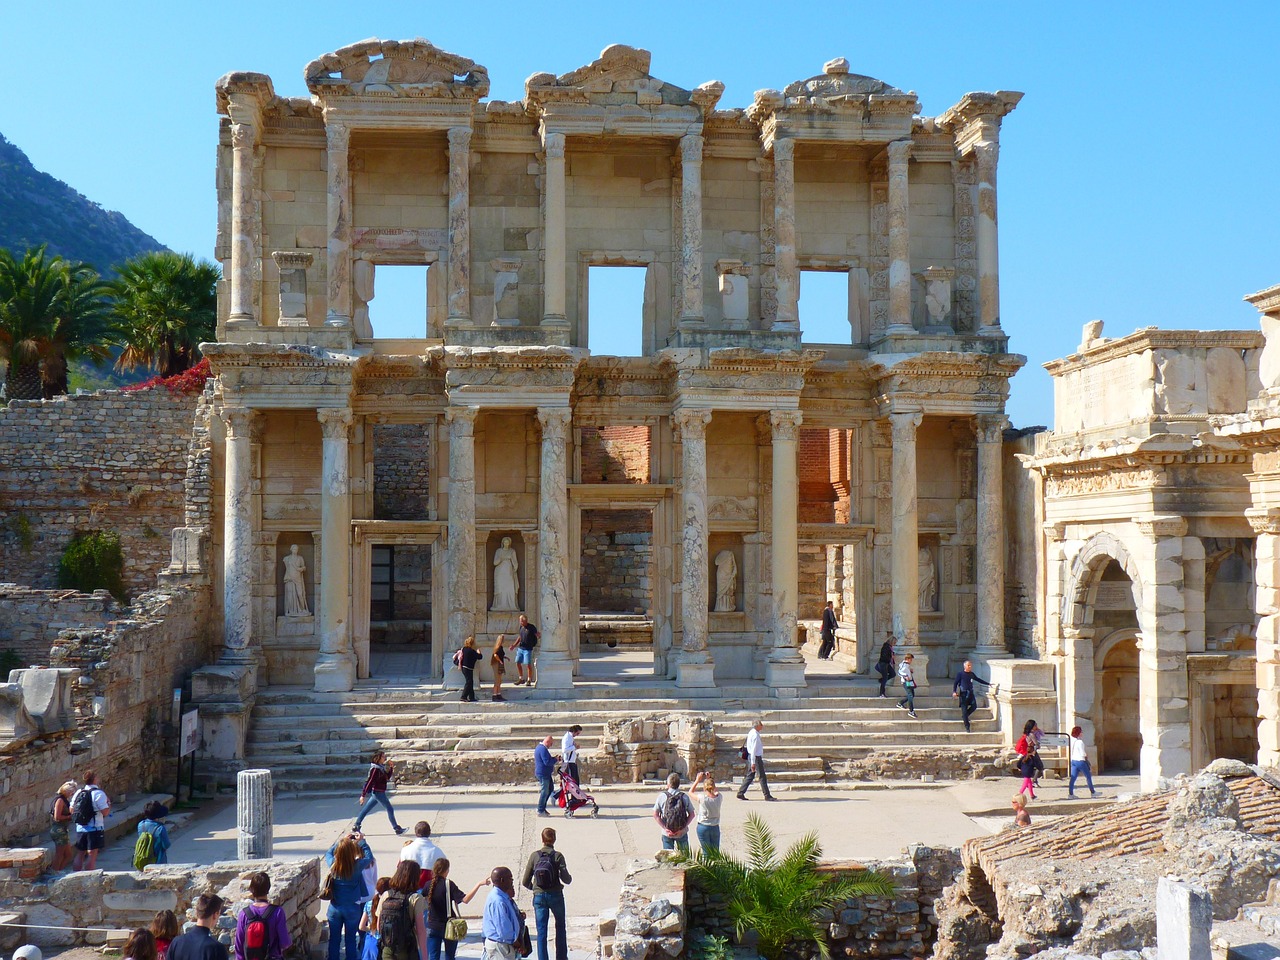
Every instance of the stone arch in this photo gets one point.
(1086, 570)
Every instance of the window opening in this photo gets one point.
(398, 310)
(615, 311)
(824, 306)
(382, 598)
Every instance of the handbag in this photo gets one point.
(455, 928)
(326, 888)
(742, 753)
(524, 946)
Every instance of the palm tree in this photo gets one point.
(166, 305)
(30, 291)
(81, 328)
(781, 898)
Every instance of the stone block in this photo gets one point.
(1184, 916)
(134, 901)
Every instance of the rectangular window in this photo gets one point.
(398, 310)
(615, 311)
(824, 306)
(382, 575)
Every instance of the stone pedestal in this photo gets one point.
(694, 673)
(1184, 917)
(1024, 690)
(254, 800)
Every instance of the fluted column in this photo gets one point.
(906, 536)
(990, 546)
(462, 526)
(553, 234)
(785, 667)
(336, 665)
(784, 233)
(237, 538)
(244, 138)
(691, 228)
(694, 667)
(254, 815)
(338, 173)
(459, 227)
(899, 239)
(987, 154)
(555, 606)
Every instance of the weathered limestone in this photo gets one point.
(244, 140)
(553, 201)
(506, 291)
(555, 669)
(988, 154)
(338, 177)
(459, 227)
(694, 668)
(691, 228)
(784, 669)
(462, 525)
(906, 570)
(237, 538)
(254, 804)
(1184, 916)
(899, 239)
(784, 232)
(1266, 524)
(336, 665)
(990, 538)
(292, 266)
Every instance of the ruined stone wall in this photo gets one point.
(128, 670)
(103, 461)
(30, 620)
(813, 580)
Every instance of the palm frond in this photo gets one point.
(762, 853)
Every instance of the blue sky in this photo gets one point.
(1137, 178)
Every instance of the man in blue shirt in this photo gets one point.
(502, 921)
(963, 689)
(544, 766)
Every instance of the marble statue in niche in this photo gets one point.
(506, 585)
(726, 582)
(295, 584)
(928, 575)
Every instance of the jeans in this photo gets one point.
(910, 699)
(544, 902)
(670, 843)
(376, 797)
(434, 942)
(885, 672)
(968, 704)
(1078, 767)
(469, 684)
(709, 837)
(544, 793)
(344, 919)
(757, 770)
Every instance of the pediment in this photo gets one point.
(397, 68)
(620, 78)
(833, 90)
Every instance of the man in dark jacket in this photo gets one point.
(200, 944)
(544, 766)
(885, 665)
(828, 632)
(962, 689)
(548, 886)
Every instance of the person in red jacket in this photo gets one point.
(381, 770)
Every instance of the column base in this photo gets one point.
(554, 673)
(335, 673)
(784, 675)
(458, 322)
(695, 674)
(692, 323)
(555, 321)
(991, 330)
(785, 326)
(900, 329)
(337, 320)
(227, 681)
(241, 320)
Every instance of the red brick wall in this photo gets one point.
(817, 494)
(615, 454)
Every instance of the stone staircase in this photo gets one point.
(317, 743)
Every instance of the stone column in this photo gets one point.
(987, 153)
(691, 229)
(784, 233)
(244, 140)
(990, 545)
(338, 172)
(906, 537)
(784, 668)
(555, 606)
(899, 239)
(459, 227)
(462, 526)
(336, 665)
(553, 234)
(237, 538)
(1266, 525)
(253, 815)
(694, 667)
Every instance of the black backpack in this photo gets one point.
(545, 873)
(675, 815)
(83, 812)
(395, 924)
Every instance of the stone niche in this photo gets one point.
(929, 571)
(723, 620)
(296, 626)
(505, 620)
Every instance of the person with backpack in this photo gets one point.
(381, 770)
(442, 897)
(399, 915)
(466, 659)
(673, 812)
(89, 810)
(345, 886)
(262, 931)
(526, 640)
(152, 845)
(546, 875)
(60, 832)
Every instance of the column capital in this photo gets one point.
(553, 145)
(990, 427)
(459, 138)
(786, 424)
(986, 155)
(555, 420)
(784, 151)
(244, 135)
(1167, 525)
(691, 148)
(904, 425)
(239, 422)
(691, 422)
(461, 419)
(1264, 521)
(899, 151)
(337, 134)
(335, 422)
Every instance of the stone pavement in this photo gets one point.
(479, 828)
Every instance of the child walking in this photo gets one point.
(1030, 766)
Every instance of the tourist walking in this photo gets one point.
(152, 845)
(673, 812)
(907, 674)
(544, 767)
(422, 850)
(1079, 761)
(526, 640)
(502, 922)
(546, 874)
(141, 945)
(399, 915)
(569, 752)
(498, 660)
(165, 928)
(1031, 736)
(885, 665)
(60, 830)
(1030, 766)
(962, 689)
(754, 750)
(708, 805)
(374, 792)
(346, 860)
(262, 930)
(199, 943)
(466, 658)
(827, 649)
(90, 807)
(442, 897)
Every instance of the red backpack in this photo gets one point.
(257, 933)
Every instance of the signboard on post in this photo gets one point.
(190, 738)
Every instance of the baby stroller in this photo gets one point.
(570, 797)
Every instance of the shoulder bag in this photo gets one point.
(326, 888)
(455, 928)
(523, 944)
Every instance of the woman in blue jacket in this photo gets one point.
(152, 822)
(347, 860)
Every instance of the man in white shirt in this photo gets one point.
(569, 752)
(422, 850)
(755, 763)
(90, 836)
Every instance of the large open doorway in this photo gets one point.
(1118, 726)
(615, 594)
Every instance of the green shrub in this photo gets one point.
(94, 561)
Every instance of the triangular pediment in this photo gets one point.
(397, 68)
(621, 78)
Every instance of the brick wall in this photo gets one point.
(615, 454)
(101, 461)
(30, 620)
(401, 471)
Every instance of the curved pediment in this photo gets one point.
(397, 68)
(836, 82)
(620, 77)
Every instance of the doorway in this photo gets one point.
(615, 594)
(1118, 736)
